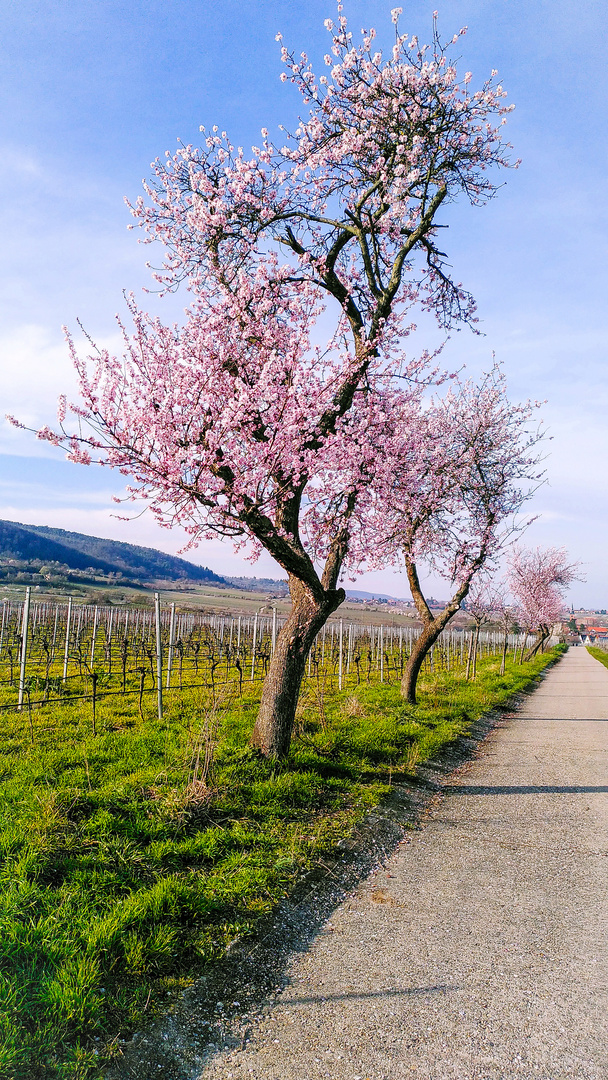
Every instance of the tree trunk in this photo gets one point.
(542, 636)
(432, 625)
(281, 689)
(470, 656)
(503, 662)
(420, 648)
(475, 650)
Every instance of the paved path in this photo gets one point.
(479, 952)
(576, 689)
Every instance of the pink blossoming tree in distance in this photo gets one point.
(239, 422)
(456, 490)
(457, 495)
(538, 580)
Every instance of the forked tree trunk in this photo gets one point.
(541, 637)
(420, 648)
(281, 689)
(432, 625)
(523, 647)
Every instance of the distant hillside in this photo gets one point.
(265, 585)
(79, 552)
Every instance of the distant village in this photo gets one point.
(575, 631)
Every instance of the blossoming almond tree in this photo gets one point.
(238, 423)
(456, 496)
(538, 580)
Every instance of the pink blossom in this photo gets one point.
(12, 420)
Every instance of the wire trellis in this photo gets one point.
(59, 653)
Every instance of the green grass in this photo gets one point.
(127, 865)
(598, 654)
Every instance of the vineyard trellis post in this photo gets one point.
(340, 663)
(67, 639)
(94, 700)
(95, 618)
(171, 645)
(24, 629)
(255, 630)
(3, 622)
(55, 632)
(159, 656)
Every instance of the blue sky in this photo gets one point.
(92, 91)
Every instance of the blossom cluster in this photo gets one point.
(352, 192)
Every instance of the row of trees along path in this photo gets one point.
(331, 455)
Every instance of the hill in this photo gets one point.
(28, 543)
(278, 586)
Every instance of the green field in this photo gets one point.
(132, 857)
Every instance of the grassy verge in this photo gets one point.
(598, 654)
(130, 859)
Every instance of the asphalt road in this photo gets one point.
(479, 951)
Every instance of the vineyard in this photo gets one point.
(54, 654)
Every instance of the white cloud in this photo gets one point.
(35, 368)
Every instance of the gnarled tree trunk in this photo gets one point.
(541, 636)
(431, 629)
(420, 648)
(309, 612)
